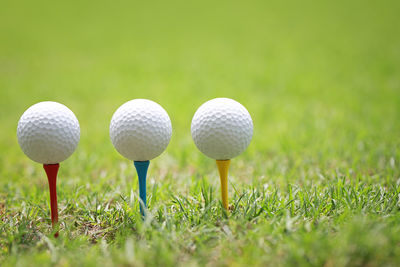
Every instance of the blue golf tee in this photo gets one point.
(141, 169)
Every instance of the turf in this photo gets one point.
(319, 184)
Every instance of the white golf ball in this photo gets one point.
(48, 132)
(222, 128)
(140, 130)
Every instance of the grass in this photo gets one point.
(319, 184)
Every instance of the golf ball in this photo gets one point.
(140, 130)
(222, 128)
(48, 132)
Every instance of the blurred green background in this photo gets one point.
(321, 80)
(316, 77)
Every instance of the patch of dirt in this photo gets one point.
(2, 211)
(93, 231)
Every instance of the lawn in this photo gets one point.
(318, 185)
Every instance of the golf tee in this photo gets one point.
(141, 169)
(51, 172)
(223, 167)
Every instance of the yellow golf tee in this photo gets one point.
(223, 167)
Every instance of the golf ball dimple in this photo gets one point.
(48, 132)
(140, 130)
(222, 128)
